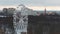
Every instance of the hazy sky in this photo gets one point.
(31, 2)
(34, 4)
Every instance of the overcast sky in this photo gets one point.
(31, 2)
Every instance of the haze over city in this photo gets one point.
(34, 4)
(29, 16)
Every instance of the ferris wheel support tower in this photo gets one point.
(20, 20)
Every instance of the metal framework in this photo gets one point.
(20, 22)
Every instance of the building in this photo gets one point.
(48, 24)
(6, 24)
